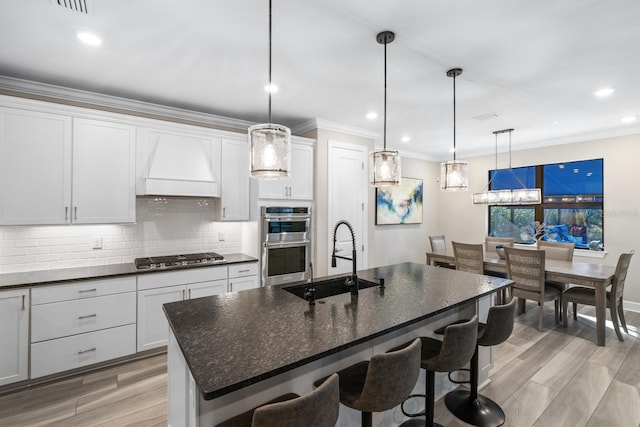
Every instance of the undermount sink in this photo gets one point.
(329, 287)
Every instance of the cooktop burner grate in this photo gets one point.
(155, 262)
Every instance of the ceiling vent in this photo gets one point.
(80, 6)
(486, 116)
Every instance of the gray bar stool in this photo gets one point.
(381, 383)
(452, 353)
(319, 408)
(469, 406)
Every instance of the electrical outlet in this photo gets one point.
(97, 243)
(221, 237)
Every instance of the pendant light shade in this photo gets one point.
(454, 174)
(516, 196)
(384, 166)
(269, 144)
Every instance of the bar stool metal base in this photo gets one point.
(418, 423)
(481, 412)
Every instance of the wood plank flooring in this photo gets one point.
(557, 377)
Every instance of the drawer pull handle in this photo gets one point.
(23, 297)
(66, 213)
(87, 316)
(87, 350)
(244, 271)
(87, 290)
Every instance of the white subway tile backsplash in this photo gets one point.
(164, 227)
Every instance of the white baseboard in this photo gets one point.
(631, 306)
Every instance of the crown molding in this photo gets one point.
(113, 102)
(318, 123)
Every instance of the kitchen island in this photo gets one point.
(230, 352)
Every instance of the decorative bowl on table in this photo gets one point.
(500, 251)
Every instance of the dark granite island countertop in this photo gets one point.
(234, 340)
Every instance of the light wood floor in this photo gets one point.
(558, 377)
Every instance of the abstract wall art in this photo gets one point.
(400, 204)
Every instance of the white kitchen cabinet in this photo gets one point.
(299, 186)
(81, 323)
(103, 172)
(156, 289)
(55, 169)
(234, 195)
(176, 160)
(35, 167)
(243, 276)
(14, 336)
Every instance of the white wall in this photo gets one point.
(165, 226)
(460, 220)
(408, 242)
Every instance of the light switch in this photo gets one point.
(97, 243)
(221, 237)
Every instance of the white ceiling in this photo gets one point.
(532, 63)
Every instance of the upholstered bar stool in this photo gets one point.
(452, 353)
(468, 405)
(319, 408)
(381, 383)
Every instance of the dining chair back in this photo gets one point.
(469, 257)
(527, 269)
(583, 295)
(562, 251)
(438, 243)
(490, 243)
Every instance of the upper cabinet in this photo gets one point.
(299, 186)
(176, 162)
(40, 152)
(234, 197)
(103, 172)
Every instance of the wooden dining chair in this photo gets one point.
(527, 269)
(562, 251)
(469, 257)
(439, 243)
(490, 243)
(583, 295)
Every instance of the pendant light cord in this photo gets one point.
(270, 86)
(384, 134)
(454, 117)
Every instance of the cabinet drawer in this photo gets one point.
(66, 318)
(181, 277)
(245, 269)
(49, 357)
(82, 289)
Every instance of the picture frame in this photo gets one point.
(401, 204)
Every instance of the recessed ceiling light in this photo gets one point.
(629, 119)
(405, 139)
(604, 92)
(271, 88)
(88, 38)
(555, 122)
(372, 115)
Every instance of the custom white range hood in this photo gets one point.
(172, 164)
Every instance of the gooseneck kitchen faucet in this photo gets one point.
(351, 282)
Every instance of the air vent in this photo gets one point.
(486, 116)
(80, 6)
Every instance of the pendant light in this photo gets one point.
(269, 143)
(454, 174)
(515, 196)
(384, 166)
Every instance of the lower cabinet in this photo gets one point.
(14, 336)
(243, 277)
(82, 323)
(156, 289)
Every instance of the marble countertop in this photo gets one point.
(233, 340)
(44, 277)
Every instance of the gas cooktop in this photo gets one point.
(157, 262)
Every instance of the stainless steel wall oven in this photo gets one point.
(286, 244)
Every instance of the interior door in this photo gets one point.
(347, 201)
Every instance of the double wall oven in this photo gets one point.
(286, 244)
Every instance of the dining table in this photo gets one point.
(587, 274)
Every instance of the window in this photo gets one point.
(571, 209)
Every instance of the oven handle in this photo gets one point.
(270, 217)
(272, 245)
